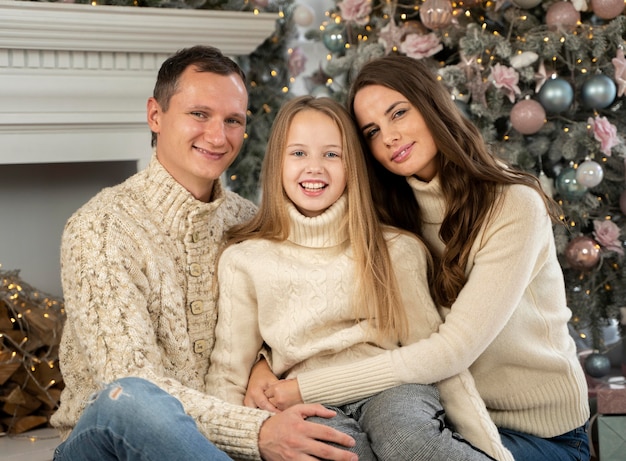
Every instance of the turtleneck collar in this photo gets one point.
(430, 198)
(171, 203)
(326, 230)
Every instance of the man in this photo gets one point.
(137, 266)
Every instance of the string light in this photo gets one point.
(31, 324)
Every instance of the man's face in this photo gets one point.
(201, 133)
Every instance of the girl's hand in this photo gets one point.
(261, 377)
(283, 393)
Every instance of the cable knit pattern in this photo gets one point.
(138, 262)
(296, 297)
(509, 324)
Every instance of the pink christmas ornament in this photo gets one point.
(562, 15)
(582, 253)
(607, 9)
(436, 14)
(527, 116)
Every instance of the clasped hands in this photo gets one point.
(269, 393)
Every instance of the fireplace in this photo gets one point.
(74, 80)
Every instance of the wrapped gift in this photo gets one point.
(611, 401)
(612, 437)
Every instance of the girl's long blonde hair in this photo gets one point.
(376, 296)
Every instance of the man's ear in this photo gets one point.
(153, 112)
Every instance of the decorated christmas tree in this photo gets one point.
(545, 82)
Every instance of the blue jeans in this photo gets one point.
(403, 423)
(571, 446)
(133, 419)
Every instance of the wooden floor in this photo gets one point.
(36, 445)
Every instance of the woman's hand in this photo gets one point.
(283, 393)
(261, 378)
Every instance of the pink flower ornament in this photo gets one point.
(506, 79)
(419, 46)
(605, 133)
(607, 235)
(297, 62)
(357, 11)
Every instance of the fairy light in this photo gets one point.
(27, 344)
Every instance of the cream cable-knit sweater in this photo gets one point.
(138, 262)
(295, 297)
(509, 325)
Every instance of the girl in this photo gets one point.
(316, 279)
(496, 278)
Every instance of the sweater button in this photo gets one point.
(199, 346)
(197, 307)
(195, 237)
(195, 269)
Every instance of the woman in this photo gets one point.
(497, 277)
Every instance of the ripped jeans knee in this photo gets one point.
(133, 418)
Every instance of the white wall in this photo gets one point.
(35, 202)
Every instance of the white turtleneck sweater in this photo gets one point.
(296, 297)
(509, 324)
(138, 262)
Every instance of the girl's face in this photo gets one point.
(313, 173)
(395, 132)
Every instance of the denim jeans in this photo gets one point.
(133, 419)
(571, 446)
(403, 423)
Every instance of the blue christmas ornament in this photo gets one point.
(556, 95)
(598, 92)
(568, 187)
(597, 365)
(334, 38)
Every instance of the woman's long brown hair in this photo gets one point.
(471, 178)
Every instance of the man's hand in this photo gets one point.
(288, 436)
(283, 393)
(261, 377)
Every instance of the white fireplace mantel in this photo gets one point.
(74, 79)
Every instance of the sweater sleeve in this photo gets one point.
(111, 325)
(237, 337)
(514, 245)
(459, 396)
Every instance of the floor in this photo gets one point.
(35, 445)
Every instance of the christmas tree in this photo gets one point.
(545, 83)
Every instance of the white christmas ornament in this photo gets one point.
(547, 184)
(524, 59)
(589, 173)
(303, 15)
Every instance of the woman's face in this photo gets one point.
(395, 132)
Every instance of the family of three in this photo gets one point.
(395, 296)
